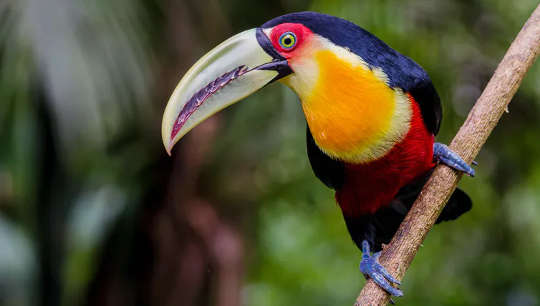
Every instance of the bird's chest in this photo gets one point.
(352, 113)
(370, 186)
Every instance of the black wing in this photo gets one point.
(330, 171)
(426, 96)
(458, 204)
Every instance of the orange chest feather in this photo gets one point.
(351, 112)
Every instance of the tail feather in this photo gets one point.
(458, 204)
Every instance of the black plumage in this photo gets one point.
(379, 228)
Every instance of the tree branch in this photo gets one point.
(482, 119)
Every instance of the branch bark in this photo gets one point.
(481, 121)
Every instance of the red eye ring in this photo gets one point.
(287, 38)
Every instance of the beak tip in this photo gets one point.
(169, 148)
(168, 145)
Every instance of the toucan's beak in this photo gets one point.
(228, 73)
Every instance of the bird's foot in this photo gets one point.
(443, 154)
(371, 268)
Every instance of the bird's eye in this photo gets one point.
(287, 40)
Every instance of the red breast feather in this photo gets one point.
(368, 187)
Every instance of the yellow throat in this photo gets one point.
(352, 113)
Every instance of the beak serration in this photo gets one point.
(202, 95)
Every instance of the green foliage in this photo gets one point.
(101, 72)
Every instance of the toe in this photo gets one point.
(374, 270)
(386, 274)
(379, 279)
(380, 269)
(469, 171)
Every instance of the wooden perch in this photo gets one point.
(482, 119)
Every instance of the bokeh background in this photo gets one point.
(93, 211)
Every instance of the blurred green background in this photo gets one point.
(93, 212)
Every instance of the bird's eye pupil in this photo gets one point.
(287, 41)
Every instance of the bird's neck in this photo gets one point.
(352, 113)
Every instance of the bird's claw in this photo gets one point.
(371, 268)
(443, 154)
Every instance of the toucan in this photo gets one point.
(372, 115)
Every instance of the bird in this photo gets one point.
(372, 115)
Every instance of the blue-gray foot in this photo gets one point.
(371, 268)
(443, 154)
